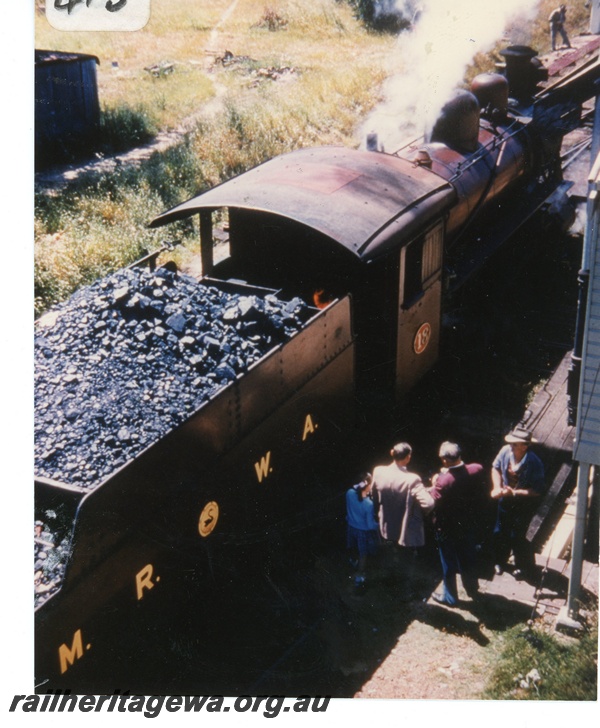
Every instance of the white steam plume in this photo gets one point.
(433, 57)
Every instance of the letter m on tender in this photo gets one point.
(68, 655)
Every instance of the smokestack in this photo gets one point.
(523, 71)
(431, 59)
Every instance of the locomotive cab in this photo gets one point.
(395, 345)
(275, 252)
(324, 223)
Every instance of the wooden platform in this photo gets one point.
(585, 47)
(546, 417)
(549, 594)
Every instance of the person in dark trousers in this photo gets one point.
(517, 484)
(557, 21)
(362, 527)
(457, 491)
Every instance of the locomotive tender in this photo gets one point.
(373, 243)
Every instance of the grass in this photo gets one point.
(124, 126)
(99, 224)
(168, 98)
(190, 34)
(567, 667)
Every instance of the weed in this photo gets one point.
(271, 20)
(99, 224)
(536, 665)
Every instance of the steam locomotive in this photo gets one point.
(373, 244)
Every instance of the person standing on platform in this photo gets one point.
(557, 21)
(517, 484)
(362, 528)
(401, 500)
(457, 491)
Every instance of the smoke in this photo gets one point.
(431, 58)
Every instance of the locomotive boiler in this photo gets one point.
(370, 245)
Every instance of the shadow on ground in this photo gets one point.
(272, 629)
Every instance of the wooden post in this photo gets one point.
(583, 481)
(206, 242)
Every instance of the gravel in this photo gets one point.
(50, 556)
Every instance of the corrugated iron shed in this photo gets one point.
(44, 58)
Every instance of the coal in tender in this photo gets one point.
(128, 358)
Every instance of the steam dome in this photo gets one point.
(458, 123)
(491, 90)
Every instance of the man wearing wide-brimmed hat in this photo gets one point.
(517, 483)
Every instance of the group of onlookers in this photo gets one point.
(391, 507)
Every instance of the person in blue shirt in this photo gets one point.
(517, 484)
(362, 526)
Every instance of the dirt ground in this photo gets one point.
(433, 664)
(393, 642)
(439, 655)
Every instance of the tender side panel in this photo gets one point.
(284, 373)
(199, 495)
(263, 489)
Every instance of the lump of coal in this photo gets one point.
(128, 358)
(51, 552)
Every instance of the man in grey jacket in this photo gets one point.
(401, 499)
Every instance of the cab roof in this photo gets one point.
(367, 202)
